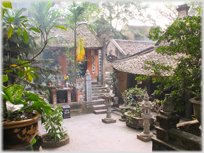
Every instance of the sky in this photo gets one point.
(151, 10)
(162, 22)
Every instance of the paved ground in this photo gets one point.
(88, 133)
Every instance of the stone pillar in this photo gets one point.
(100, 68)
(108, 97)
(146, 115)
(88, 88)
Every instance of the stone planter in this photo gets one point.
(79, 96)
(136, 122)
(126, 108)
(17, 134)
(54, 144)
(196, 108)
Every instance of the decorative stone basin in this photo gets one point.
(136, 122)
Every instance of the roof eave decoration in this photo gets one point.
(118, 47)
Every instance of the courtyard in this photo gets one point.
(88, 133)
(67, 64)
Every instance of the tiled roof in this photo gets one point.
(66, 38)
(134, 64)
(131, 47)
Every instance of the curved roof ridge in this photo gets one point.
(150, 49)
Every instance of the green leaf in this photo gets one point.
(25, 35)
(33, 141)
(19, 31)
(9, 71)
(18, 12)
(5, 78)
(36, 76)
(35, 29)
(32, 98)
(3, 12)
(61, 27)
(16, 91)
(7, 4)
(21, 17)
(29, 77)
(10, 32)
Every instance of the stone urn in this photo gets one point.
(196, 108)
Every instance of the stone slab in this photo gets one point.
(121, 119)
(109, 120)
(145, 139)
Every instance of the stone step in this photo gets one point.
(98, 101)
(94, 83)
(98, 88)
(99, 93)
(101, 111)
(99, 107)
(95, 97)
(116, 112)
(117, 109)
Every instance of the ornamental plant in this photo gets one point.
(183, 37)
(132, 95)
(17, 74)
(53, 124)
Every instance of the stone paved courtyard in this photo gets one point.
(88, 133)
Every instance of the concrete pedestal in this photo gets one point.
(108, 103)
(108, 120)
(145, 137)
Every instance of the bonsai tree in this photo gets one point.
(182, 38)
(133, 95)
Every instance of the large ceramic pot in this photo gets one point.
(196, 108)
(19, 133)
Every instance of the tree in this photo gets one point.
(168, 10)
(19, 46)
(45, 18)
(183, 38)
(122, 11)
(73, 19)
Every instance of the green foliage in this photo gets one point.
(53, 124)
(30, 102)
(19, 52)
(184, 42)
(129, 95)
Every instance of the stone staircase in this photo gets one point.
(97, 98)
(98, 101)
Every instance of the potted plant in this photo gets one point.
(21, 111)
(130, 97)
(196, 101)
(56, 135)
(134, 119)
